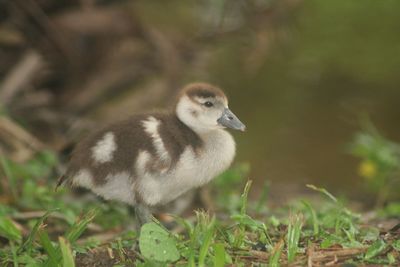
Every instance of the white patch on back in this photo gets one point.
(141, 162)
(152, 185)
(118, 187)
(103, 151)
(151, 127)
(83, 178)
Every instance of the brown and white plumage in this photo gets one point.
(151, 159)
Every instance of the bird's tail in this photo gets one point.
(60, 181)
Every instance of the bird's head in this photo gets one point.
(204, 107)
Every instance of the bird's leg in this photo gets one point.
(143, 215)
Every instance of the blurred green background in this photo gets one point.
(300, 74)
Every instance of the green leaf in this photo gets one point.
(219, 255)
(80, 226)
(155, 243)
(52, 252)
(375, 249)
(208, 236)
(396, 245)
(14, 254)
(8, 229)
(274, 221)
(369, 234)
(68, 259)
(391, 258)
(29, 261)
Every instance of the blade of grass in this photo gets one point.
(80, 226)
(293, 237)
(396, 245)
(184, 223)
(28, 243)
(263, 197)
(11, 179)
(120, 249)
(313, 216)
(8, 230)
(375, 249)
(243, 197)
(192, 246)
(14, 254)
(68, 259)
(239, 237)
(391, 258)
(206, 242)
(276, 254)
(52, 252)
(219, 255)
(323, 191)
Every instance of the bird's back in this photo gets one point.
(112, 152)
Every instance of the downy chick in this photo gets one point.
(151, 159)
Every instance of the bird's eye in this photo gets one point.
(208, 104)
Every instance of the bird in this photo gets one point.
(150, 159)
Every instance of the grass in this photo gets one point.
(39, 227)
(293, 237)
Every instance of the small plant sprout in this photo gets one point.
(293, 236)
(276, 254)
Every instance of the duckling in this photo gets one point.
(151, 159)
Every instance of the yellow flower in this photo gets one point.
(367, 169)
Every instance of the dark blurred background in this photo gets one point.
(298, 73)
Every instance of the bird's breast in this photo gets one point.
(193, 169)
(216, 156)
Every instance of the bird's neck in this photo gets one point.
(199, 131)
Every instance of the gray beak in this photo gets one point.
(228, 119)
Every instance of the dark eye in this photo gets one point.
(208, 104)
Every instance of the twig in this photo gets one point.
(333, 262)
(19, 143)
(20, 76)
(310, 254)
(57, 215)
(102, 238)
(260, 254)
(329, 254)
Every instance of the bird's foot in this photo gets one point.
(143, 215)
